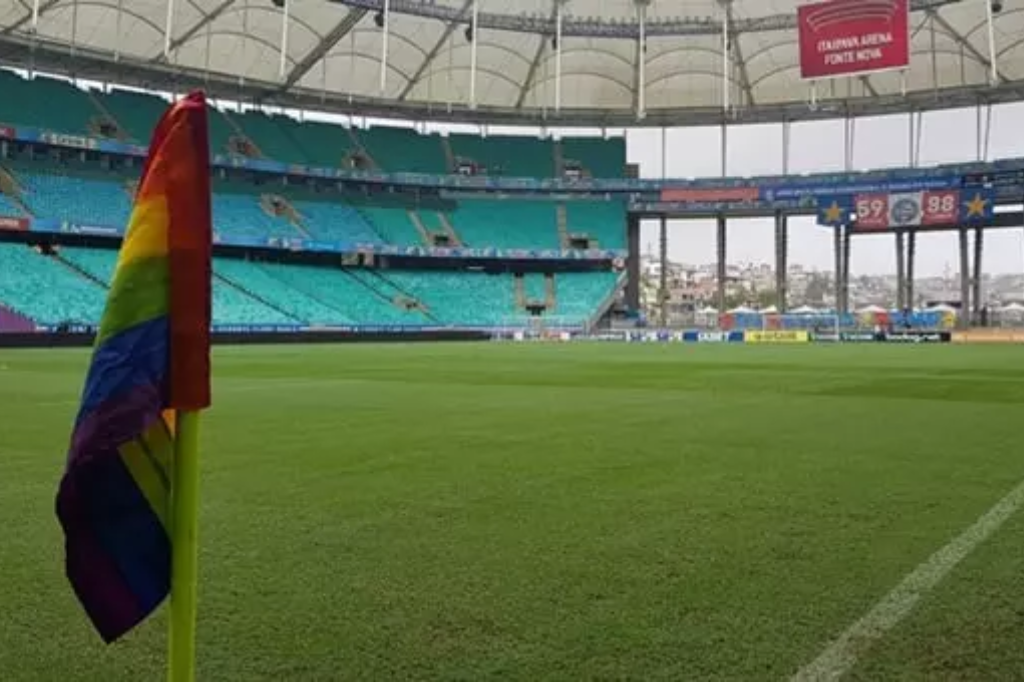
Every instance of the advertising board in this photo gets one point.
(844, 37)
(776, 337)
(13, 224)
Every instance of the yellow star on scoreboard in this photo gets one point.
(834, 213)
(976, 206)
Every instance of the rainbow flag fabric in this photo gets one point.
(151, 359)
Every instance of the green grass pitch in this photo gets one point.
(562, 512)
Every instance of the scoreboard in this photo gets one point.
(897, 210)
(882, 211)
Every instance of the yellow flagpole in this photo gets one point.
(181, 661)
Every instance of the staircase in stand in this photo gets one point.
(100, 107)
(449, 154)
(449, 229)
(556, 150)
(79, 270)
(550, 299)
(15, 193)
(214, 111)
(520, 291)
(256, 297)
(563, 225)
(414, 216)
(357, 147)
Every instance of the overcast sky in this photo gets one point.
(881, 142)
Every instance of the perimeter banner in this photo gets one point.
(843, 37)
(777, 337)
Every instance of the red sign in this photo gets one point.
(841, 37)
(872, 211)
(711, 194)
(940, 208)
(13, 224)
(6, 132)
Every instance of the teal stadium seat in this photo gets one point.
(258, 280)
(603, 221)
(602, 158)
(461, 298)
(335, 221)
(507, 224)
(82, 199)
(136, 113)
(578, 294)
(403, 149)
(231, 305)
(45, 103)
(46, 290)
(393, 224)
(270, 136)
(534, 286)
(8, 208)
(322, 144)
(526, 157)
(359, 300)
(220, 131)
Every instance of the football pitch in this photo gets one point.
(555, 512)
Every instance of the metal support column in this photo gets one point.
(837, 248)
(901, 271)
(847, 249)
(781, 260)
(976, 298)
(663, 278)
(965, 281)
(633, 264)
(911, 261)
(722, 250)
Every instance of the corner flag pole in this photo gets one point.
(181, 660)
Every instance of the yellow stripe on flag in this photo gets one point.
(147, 231)
(150, 481)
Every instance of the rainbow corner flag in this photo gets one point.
(151, 360)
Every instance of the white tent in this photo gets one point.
(1012, 308)
(942, 308)
(709, 310)
(771, 310)
(871, 309)
(804, 310)
(742, 310)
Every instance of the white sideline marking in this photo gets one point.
(841, 654)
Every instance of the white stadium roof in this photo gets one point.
(335, 49)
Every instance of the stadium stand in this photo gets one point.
(403, 149)
(46, 103)
(134, 112)
(84, 193)
(527, 157)
(599, 158)
(69, 287)
(85, 198)
(602, 221)
(322, 144)
(60, 106)
(269, 136)
(46, 290)
(504, 223)
(358, 300)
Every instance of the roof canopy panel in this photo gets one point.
(703, 61)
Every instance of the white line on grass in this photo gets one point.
(841, 654)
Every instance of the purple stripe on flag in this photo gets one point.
(105, 596)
